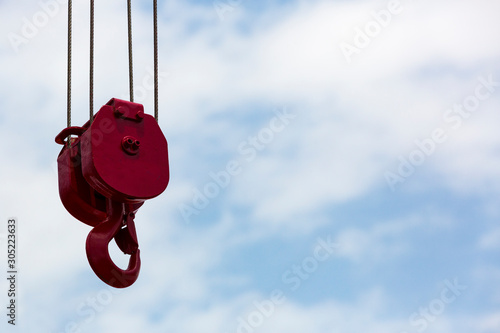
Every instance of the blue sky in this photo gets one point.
(334, 166)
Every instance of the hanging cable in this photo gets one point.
(70, 27)
(91, 70)
(91, 79)
(130, 62)
(155, 33)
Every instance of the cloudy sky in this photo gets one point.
(334, 166)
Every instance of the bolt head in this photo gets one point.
(120, 111)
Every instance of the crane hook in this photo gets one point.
(119, 223)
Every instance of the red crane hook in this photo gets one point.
(119, 224)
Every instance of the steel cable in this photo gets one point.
(91, 79)
(155, 33)
(130, 60)
(70, 28)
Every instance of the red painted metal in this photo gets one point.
(127, 175)
(80, 200)
(105, 175)
(98, 254)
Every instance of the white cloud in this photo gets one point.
(490, 323)
(490, 240)
(382, 242)
(353, 121)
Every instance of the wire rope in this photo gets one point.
(130, 58)
(155, 33)
(91, 69)
(70, 32)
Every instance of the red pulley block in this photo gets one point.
(124, 153)
(105, 175)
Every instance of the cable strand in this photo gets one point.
(91, 74)
(70, 32)
(155, 33)
(130, 59)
